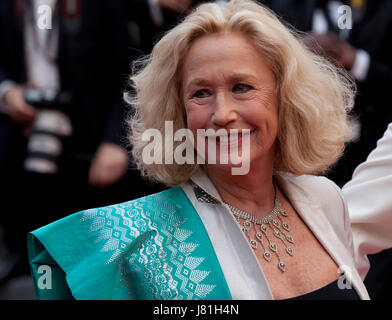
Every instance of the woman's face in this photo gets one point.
(227, 84)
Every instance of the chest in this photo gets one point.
(309, 268)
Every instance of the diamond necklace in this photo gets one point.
(273, 220)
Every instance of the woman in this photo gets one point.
(276, 232)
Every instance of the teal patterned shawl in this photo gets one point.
(154, 247)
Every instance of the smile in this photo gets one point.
(230, 139)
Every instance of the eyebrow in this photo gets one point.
(197, 81)
(239, 76)
(233, 77)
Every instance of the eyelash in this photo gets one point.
(248, 87)
(199, 91)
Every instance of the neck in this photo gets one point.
(253, 193)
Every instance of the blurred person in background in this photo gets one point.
(152, 18)
(359, 42)
(63, 66)
(365, 51)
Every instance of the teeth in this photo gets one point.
(228, 138)
(231, 137)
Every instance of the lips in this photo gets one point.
(231, 138)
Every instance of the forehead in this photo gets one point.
(223, 54)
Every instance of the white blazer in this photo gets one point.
(320, 204)
(369, 199)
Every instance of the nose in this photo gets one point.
(224, 111)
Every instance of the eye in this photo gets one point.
(241, 88)
(202, 93)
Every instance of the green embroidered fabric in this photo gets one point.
(155, 247)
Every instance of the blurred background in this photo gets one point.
(64, 65)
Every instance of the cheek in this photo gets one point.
(197, 118)
(265, 120)
(265, 111)
(260, 114)
(268, 122)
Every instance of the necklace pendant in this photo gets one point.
(282, 266)
(289, 238)
(283, 212)
(273, 246)
(259, 236)
(253, 244)
(286, 226)
(290, 251)
(267, 256)
(247, 225)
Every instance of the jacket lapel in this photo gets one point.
(308, 207)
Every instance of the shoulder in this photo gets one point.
(324, 198)
(316, 186)
(128, 220)
(136, 215)
(100, 237)
(172, 196)
(167, 196)
(321, 192)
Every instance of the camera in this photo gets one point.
(51, 126)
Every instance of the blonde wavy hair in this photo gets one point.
(314, 96)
